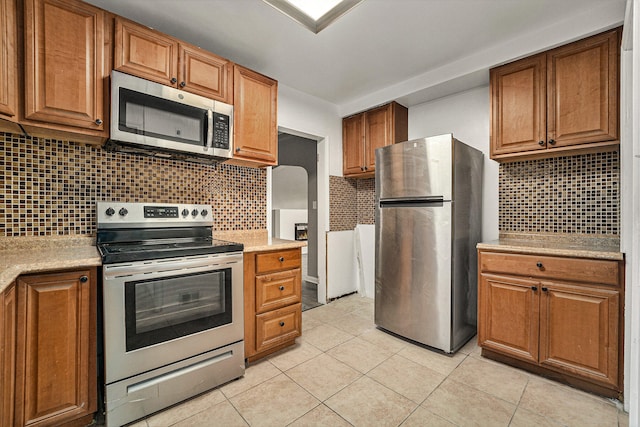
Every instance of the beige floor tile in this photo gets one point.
(384, 340)
(223, 414)
(365, 312)
(566, 405)
(526, 418)
(180, 412)
(294, 355)
(366, 403)
(323, 376)
(325, 313)
(320, 416)
(352, 324)
(623, 419)
(255, 373)
(360, 354)
(407, 378)
(309, 323)
(466, 406)
(424, 418)
(141, 423)
(352, 303)
(471, 346)
(325, 337)
(276, 402)
(502, 381)
(443, 363)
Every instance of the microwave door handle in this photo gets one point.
(209, 132)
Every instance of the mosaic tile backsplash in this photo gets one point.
(573, 195)
(50, 187)
(366, 196)
(352, 202)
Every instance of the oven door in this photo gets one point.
(159, 312)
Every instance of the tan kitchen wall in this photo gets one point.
(50, 187)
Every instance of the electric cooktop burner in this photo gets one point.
(130, 232)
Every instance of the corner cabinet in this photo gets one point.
(48, 337)
(65, 70)
(152, 55)
(561, 316)
(8, 61)
(272, 301)
(255, 121)
(561, 101)
(363, 133)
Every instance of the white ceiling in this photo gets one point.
(410, 50)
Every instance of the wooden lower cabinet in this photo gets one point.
(53, 375)
(561, 320)
(272, 301)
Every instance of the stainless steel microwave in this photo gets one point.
(150, 118)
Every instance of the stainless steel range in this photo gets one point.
(172, 304)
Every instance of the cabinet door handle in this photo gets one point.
(539, 264)
(237, 149)
(281, 259)
(544, 289)
(174, 80)
(552, 141)
(365, 168)
(281, 323)
(281, 288)
(84, 279)
(534, 288)
(362, 168)
(182, 84)
(98, 122)
(540, 143)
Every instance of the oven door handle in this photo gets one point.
(163, 266)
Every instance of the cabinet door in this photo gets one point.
(205, 74)
(508, 316)
(7, 355)
(579, 330)
(277, 290)
(56, 373)
(377, 133)
(353, 144)
(145, 53)
(518, 105)
(582, 103)
(8, 62)
(64, 63)
(255, 117)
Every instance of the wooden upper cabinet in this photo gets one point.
(365, 132)
(8, 61)
(152, 55)
(64, 65)
(255, 128)
(560, 101)
(56, 348)
(583, 91)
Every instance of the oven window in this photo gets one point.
(164, 309)
(148, 115)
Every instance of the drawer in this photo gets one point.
(267, 262)
(276, 290)
(278, 326)
(547, 267)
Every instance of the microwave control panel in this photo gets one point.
(220, 131)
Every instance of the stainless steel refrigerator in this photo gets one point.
(428, 222)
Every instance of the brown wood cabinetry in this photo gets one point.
(255, 125)
(272, 295)
(555, 313)
(65, 86)
(48, 337)
(563, 100)
(363, 133)
(8, 61)
(155, 56)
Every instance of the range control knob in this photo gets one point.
(110, 211)
(204, 212)
(194, 212)
(185, 212)
(123, 211)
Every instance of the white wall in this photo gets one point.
(466, 115)
(289, 188)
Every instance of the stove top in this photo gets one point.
(130, 232)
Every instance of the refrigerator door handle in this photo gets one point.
(433, 201)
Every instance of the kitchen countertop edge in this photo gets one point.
(258, 240)
(576, 248)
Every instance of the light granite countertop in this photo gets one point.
(24, 255)
(559, 245)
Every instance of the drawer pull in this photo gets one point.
(539, 264)
(544, 289)
(84, 279)
(281, 259)
(281, 323)
(534, 288)
(281, 288)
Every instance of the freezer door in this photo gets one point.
(415, 169)
(413, 272)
